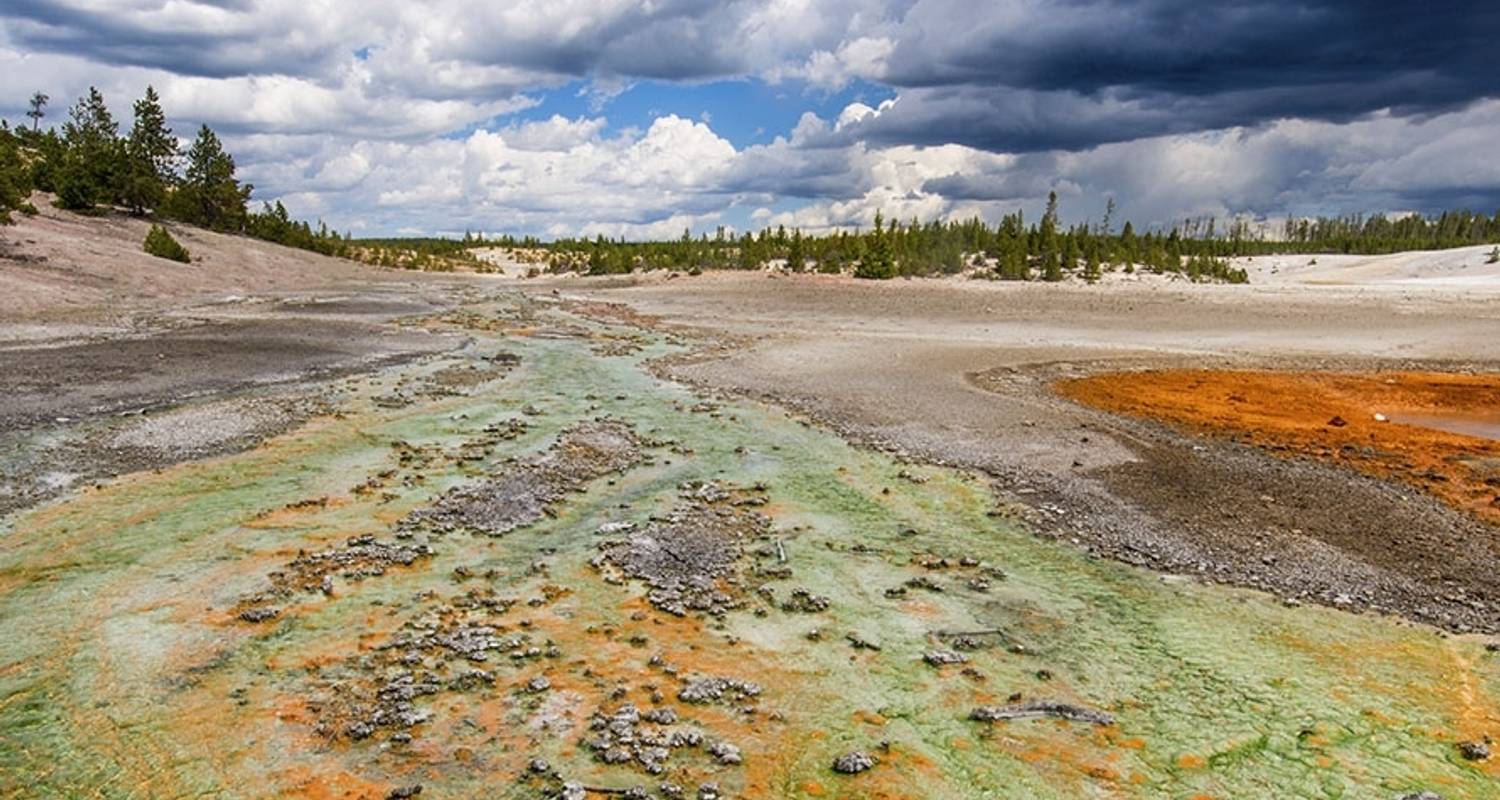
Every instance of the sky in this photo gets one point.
(644, 118)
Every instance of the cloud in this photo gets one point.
(1292, 166)
(1111, 71)
(389, 115)
(555, 175)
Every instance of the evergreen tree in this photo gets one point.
(1128, 246)
(1047, 245)
(151, 155)
(160, 243)
(877, 262)
(12, 174)
(210, 195)
(1091, 271)
(91, 166)
(38, 109)
(796, 254)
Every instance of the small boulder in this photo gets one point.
(853, 763)
(1474, 751)
(938, 658)
(725, 752)
(259, 614)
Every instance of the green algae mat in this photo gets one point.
(531, 569)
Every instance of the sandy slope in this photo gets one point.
(59, 263)
(1459, 268)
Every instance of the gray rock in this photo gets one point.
(1040, 708)
(259, 614)
(725, 752)
(853, 763)
(938, 658)
(1474, 751)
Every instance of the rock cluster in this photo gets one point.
(523, 491)
(684, 558)
(1041, 708)
(646, 740)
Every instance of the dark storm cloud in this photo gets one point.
(809, 173)
(673, 40)
(1172, 107)
(233, 45)
(1029, 176)
(1007, 77)
(1073, 75)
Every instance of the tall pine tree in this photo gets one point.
(12, 173)
(1047, 244)
(150, 156)
(210, 195)
(92, 164)
(796, 253)
(877, 262)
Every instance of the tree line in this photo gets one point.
(1046, 250)
(91, 166)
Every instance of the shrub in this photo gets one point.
(161, 244)
(1494, 256)
(28, 209)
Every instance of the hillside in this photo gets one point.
(1454, 268)
(57, 264)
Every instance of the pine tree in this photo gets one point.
(1013, 260)
(796, 254)
(151, 155)
(1091, 271)
(1128, 250)
(160, 243)
(877, 262)
(12, 174)
(209, 195)
(1047, 245)
(91, 167)
(38, 109)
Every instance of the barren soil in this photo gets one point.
(92, 329)
(960, 372)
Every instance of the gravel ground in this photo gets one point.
(202, 428)
(958, 373)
